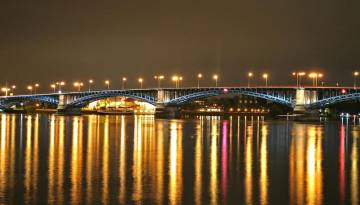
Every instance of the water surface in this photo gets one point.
(207, 160)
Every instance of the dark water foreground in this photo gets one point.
(209, 160)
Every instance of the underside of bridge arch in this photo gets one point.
(207, 94)
(10, 102)
(337, 100)
(86, 100)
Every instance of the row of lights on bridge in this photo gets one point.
(177, 79)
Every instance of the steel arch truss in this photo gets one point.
(333, 100)
(285, 100)
(7, 102)
(89, 97)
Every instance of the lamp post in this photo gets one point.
(30, 88)
(250, 75)
(159, 78)
(90, 83)
(356, 74)
(180, 79)
(266, 76)
(78, 85)
(140, 80)
(107, 82)
(216, 77)
(13, 87)
(53, 86)
(124, 79)
(199, 76)
(62, 83)
(5, 90)
(35, 87)
(314, 77)
(175, 79)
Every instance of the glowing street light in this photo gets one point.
(315, 77)
(216, 77)
(199, 76)
(13, 87)
(5, 90)
(250, 75)
(107, 82)
(140, 80)
(53, 86)
(124, 79)
(30, 88)
(62, 83)
(159, 78)
(90, 83)
(298, 76)
(356, 74)
(180, 79)
(78, 85)
(35, 87)
(175, 79)
(265, 76)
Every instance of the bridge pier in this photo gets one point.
(304, 98)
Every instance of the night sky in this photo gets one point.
(64, 40)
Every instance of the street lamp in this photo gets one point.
(5, 90)
(199, 76)
(78, 85)
(175, 78)
(356, 74)
(180, 79)
(298, 77)
(315, 77)
(266, 76)
(140, 80)
(124, 79)
(90, 83)
(36, 86)
(107, 82)
(159, 78)
(62, 83)
(53, 86)
(13, 88)
(250, 75)
(30, 88)
(216, 77)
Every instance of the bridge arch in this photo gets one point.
(216, 92)
(334, 100)
(7, 102)
(85, 100)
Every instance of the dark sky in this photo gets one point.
(64, 40)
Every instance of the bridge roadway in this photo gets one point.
(294, 97)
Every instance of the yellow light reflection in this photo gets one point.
(28, 160)
(175, 163)
(215, 122)
(264, 182)
(160, 163)
(198, 161)
(248, 164)
(105, 164)
(76, 161)
(137, 160)
(354, 170)
(90, 158)
(122, 167)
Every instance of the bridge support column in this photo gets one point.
(304, 98)
(164, 110)
(63, 101)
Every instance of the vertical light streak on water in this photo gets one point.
(354, 169)
(198, 161)
(160, 162)
(342, 180)
(61, 160)
(264, 181)
(76, 161)
(89, 159)
(175, 163)
(224, 161)
(51, 163)
(28, 160)
(122, 167)
(214, 161)
(3, 157)
(297, 165)
(137, 160)
(35, 161)
(105, 164)
(248, 163)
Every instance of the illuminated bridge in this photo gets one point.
(304, 98)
